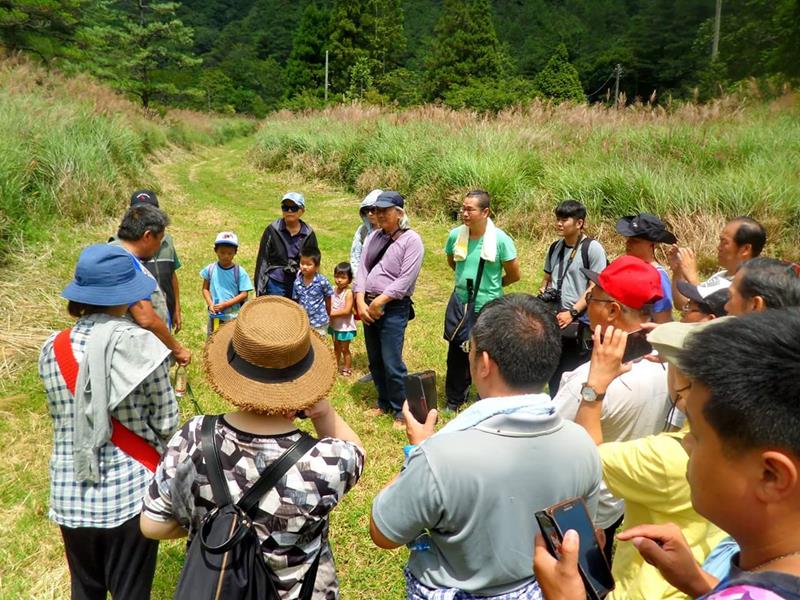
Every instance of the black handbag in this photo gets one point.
(460, 316)
(224, 559)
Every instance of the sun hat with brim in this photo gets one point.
(629, 280)
(268, 360)
(645, 226)
(106, 275)
(711, 295)
(670, 338)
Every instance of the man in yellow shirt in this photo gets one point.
(648, 473)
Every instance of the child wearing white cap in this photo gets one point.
(225, 285)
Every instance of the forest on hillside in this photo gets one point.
(254, 56)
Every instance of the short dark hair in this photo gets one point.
(484, 200)
(571, 209)
(750, 365)
(774, 280)
(750, 232)
(79, 309)
(521, 335)
(343, 268)
(313, 254)
(140, 218)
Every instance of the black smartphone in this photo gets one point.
(592, 564)
(636, 346)
(417, 401)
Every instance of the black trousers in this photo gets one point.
(574, 352)
(458, 379)
(119, 560)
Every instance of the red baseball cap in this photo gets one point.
(629, 280)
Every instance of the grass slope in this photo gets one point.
(212, 190)
(694, 165)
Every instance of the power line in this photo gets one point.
(614, 72)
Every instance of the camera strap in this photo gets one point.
(564, 268)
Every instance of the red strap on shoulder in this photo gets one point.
(65, 358)
(134, 445)
(123, 438)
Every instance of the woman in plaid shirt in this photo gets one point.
(108, 392)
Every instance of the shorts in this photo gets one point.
(342, 336)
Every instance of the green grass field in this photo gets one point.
(211, 190)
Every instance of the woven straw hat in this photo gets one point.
(268, 360)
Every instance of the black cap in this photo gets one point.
(646, 226)
(388, 199)
(710, 296)
(144, 197)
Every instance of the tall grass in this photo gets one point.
(73, 150)
(693, 165)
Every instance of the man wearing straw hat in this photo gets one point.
(270, 366)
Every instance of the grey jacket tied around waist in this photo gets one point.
(118, 357)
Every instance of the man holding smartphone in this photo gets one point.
(636, 403)
(466, 499)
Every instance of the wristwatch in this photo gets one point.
(574, 313)
(588, 394)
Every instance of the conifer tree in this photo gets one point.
(365, 29)
(465, 47)
(45, 28)
(559, 79)
(305, 69)
(140, 41)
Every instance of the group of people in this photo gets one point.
(686, 453)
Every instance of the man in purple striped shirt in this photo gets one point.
(387, 274)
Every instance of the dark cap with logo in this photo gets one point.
(144, 197)
(646, 226)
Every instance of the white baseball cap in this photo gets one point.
(227, 238)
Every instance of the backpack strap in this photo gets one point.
(550, 252)
(310, 578)
(210, 452)
(379, 256)
(272, 475)
(123, 438)
(585, 251)
(236, 277)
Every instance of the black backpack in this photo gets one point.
(224, 560)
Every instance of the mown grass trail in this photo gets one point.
(205, 192)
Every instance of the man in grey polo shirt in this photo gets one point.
(465, 500)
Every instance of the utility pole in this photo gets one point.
(715, 43)
(617, 73)
(326, 75)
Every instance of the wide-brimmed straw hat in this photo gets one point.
(268, 360)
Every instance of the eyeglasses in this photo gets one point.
(688, 308)
(290, 207)
(370, 209)
(591, 298)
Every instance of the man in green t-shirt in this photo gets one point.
(477, 238)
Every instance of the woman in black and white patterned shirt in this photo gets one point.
(269, 366)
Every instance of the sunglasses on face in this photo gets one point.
(290, 207)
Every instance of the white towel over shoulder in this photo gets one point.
(489, 249)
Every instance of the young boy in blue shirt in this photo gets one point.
(313, 291)
(225, 285)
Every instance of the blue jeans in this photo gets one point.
(279, 288)
(384, 340)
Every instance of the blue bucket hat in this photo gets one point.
(107, 276)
